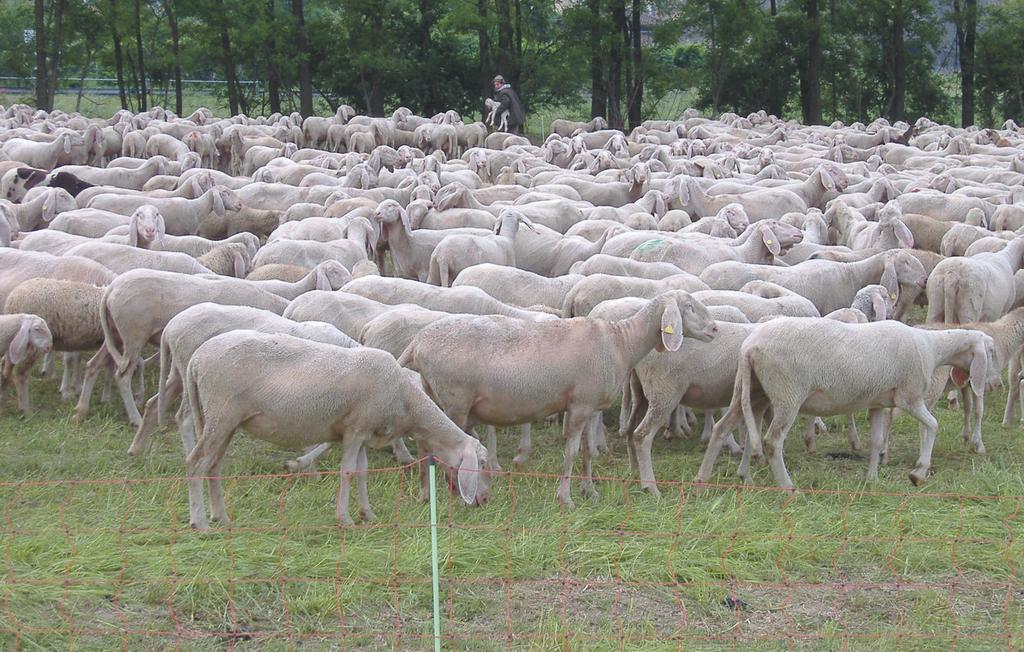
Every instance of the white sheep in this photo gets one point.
(363, 399)
(459, 251)
(23, 338)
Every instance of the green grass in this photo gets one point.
(97, 553)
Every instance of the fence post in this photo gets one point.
(433, 558)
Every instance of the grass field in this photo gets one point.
(97, 552)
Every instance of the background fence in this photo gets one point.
(113, 564)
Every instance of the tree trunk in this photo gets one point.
(172, 23)
(966, 18)
(118, 55)
(431, 104)
(57, 36)
(229, 60)
(43, 101)
(896, 109)
(598, 92)
(305, 75)
(810, 83)
(143, 92)
(636, 96)
(504, 39)
(517, 69)
(270, 51)
(774, 8)
(484, 43)
(615, 67)
(376, 99)
(81, 77)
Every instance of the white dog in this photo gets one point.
(493, 105)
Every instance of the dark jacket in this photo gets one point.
(510, 102)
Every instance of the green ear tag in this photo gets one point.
(669, 330)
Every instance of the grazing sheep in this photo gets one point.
(576, 366)
(23, 338)
(359, 396)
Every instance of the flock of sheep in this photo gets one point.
(357, 280)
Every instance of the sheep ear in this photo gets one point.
(684, 191)
(133, 230)
(239, 263)
(771, 242)
(881, 310)
(826, 179)
(958, 376)
(979, 370)
(469, 475)
(406, 221)
(671, 327)
(18, 350)
(67, 144)
(322, 281)
(218, 202)
(889, 278)
(903, 234)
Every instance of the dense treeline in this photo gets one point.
(818, 60)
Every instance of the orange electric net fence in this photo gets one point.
(95, 564)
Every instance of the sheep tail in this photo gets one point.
(742, 389)
(111, 337)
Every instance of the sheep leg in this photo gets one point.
(124, 386)
(598, 439)
(148, 425)
(1013, 388)
(732, 418)
(218, 510)
(67, 378)
(573, 424)
(643, 438)
(931, 426)
(977, 414)
(492, 448)
(362, 493)
(587, 452)
(307, 458)
(783, 418)
(851, 433)
(525, 445)
(92, 369)
(49, 365)
(879, 429)
(709, 425)
(21, 374)
(401, 452)
(625, 410)
(350, 447)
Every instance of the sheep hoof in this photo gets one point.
(979, 448)
(652, 489)
(220, 518)
(134, 451)
(199, 527)
(76, 418)
(917, 476)
(589, 490)
(520, 459)
(367, 515)
(345, 520)
(292, 466)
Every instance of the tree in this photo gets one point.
(49, 41)
(965, 17)
(305, 79)
(810, 84)
(1000, 83)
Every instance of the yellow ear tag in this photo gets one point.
(892, 296)
(669, 330)
(767, 241)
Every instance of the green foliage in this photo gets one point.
(1000, 82)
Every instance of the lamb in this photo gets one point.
(596, 288)
(71, 311)
(498, 122)
(468, 300)
(775, 371)
(139, 303)
(829, 285)
(363, 399)
(979, 288)
(575, 366)
(23, 337)
(459, 251)
(187, 331)
(518, 287)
